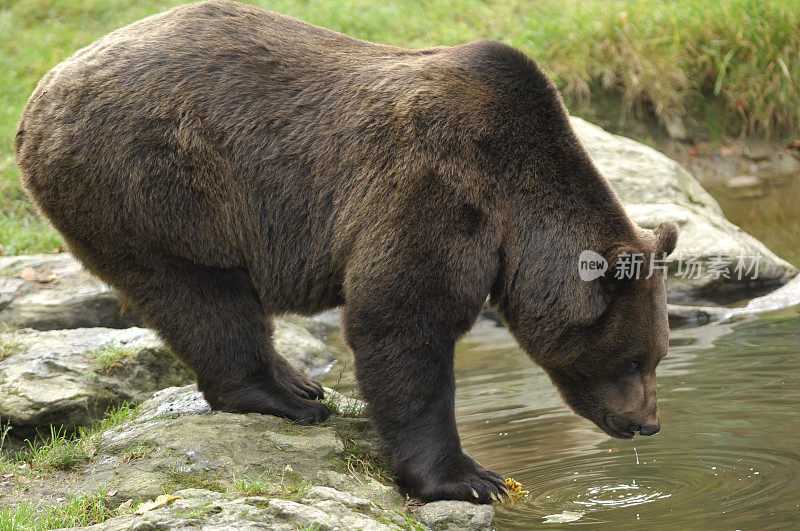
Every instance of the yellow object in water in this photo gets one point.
(518, 494)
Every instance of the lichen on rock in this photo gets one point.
(251, 472)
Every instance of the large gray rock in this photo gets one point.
(783, 297)
(452, 515)
(71, 377)
(249, 471)
(53, 291)
(655, 188)
(210, 510)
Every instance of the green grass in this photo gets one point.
(60, 450)
(79, 510)
(404, 519)
(733, 63)
(136, 452)
(285, 485)
(110, 356)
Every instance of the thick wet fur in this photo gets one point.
(220, 164)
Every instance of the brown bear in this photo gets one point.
(220, 164)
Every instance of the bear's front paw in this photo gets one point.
(459, 478)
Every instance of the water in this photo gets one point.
(728, 455)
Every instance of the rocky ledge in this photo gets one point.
(184, 466)
(655, 188)
(70, 378)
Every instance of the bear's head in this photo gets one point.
(611, 378)
(600, 337)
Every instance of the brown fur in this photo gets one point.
(220, 164)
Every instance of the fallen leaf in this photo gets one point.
(518, 494)
(124, 506)
(23, 480)
(161, 501)
(43, 276)
(28, 274)
(513, 486)
(111, 492)
(11, 475)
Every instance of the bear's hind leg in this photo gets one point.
(214, 321)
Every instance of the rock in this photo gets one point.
(757, 151)
(319, 325)
(72, 299)
(743, 181)
(745, 187)
(655, 188)
(680, 315)
(209, 510)
(303, 350)
(54, 292)
(783, 297)
(71, 377)
(455, 515)
(675, 128)
(787, 165)
(328, 493)
(193, 446)
(249, 472)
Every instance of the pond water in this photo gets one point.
(728, 455)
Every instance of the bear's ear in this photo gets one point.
(666, 237)
(626, 264)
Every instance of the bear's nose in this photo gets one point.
(650, 429)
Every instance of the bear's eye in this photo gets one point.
(634, 365)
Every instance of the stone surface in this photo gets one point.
(57, 377)
(54, 292)
(63, 295)
(71, 377)
(446, 515)
(783, 297)
(209, 510)
(655, 188)
(250, 472)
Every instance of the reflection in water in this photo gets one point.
(728, 455)
(729, 450)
